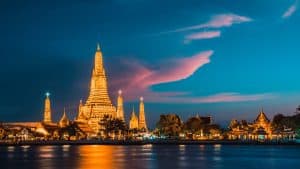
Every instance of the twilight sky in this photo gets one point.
(209, 57)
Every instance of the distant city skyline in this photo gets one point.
(208, 58)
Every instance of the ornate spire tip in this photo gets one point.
(98, 47)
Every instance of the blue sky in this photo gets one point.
(217, 57)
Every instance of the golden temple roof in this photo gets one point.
(64, 121)
(262, 117)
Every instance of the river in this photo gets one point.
(151, 157)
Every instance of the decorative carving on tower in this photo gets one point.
(47, 109)
(142, 119)
(98, 103)
(120, 109)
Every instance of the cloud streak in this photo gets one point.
(215, 98)
(217, 21)
(202, 35)
(232, 97)
(291, 10)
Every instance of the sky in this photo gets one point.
(208, 57)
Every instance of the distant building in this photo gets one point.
(260, 129)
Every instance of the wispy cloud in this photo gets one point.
(139, 79)
(232, 97)
(216, 21)
(291, 10)
(215, 98)
(202, 35)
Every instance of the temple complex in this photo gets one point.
(90, 118)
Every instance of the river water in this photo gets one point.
(151, 157)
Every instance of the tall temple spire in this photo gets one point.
(98, 103)
(120, 109)
(47, 109)
(142, 119)
(98, 87)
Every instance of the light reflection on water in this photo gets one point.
(149, 157)
(91, 156)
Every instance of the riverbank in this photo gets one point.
(153, 142)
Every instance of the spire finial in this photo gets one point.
(120, 92)
(47, 94)
(141, 98)
(98, 47)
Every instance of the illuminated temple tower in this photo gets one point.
(98, 103)
(120, 109)
(47, 109)
(134, 121)
(142, 119)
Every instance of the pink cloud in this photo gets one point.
(226, 20)
(291, 10)
(217, 21)
(202, 35)
(138, 79)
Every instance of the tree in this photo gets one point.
(193, 124)
(112, 125)
(298, 133)
(280, 122)
(169, 125)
